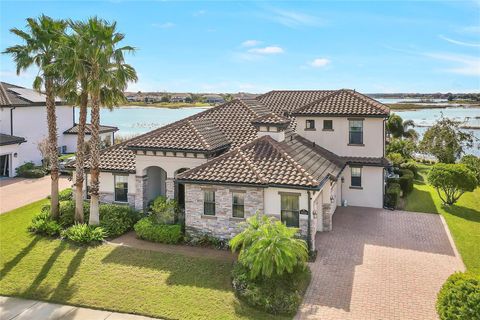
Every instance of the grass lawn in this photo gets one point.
(115, 278)
(65, 156)
(463, 218)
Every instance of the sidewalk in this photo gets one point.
(22, 309)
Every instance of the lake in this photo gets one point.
(133, 120)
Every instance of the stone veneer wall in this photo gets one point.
(222, 225)
(108, 197)
(141, 192)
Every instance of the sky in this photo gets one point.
(234, 46)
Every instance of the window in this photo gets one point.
(289, 209)
(121, 188)
(356, 174)
(356, 132)
(310, 125)
(327, 124)
(209, 202)
(238, 207)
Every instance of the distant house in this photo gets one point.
(213, 98)
(23, 126)
(179, 97)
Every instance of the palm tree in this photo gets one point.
(108, 79)
(398, 128)
(43, 39)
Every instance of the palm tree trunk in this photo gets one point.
(80, 159)
(52, 147)
(95, 162)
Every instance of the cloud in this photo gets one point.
(466, 65)
(267, 50)
(251, 43)
(199, 13)
(165, 25)
(461, 43)
(320, 62)
(294, 19)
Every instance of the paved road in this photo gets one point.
(21, 309)
(17, 192)
(379, 264)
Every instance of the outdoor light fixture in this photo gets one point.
(15, 155)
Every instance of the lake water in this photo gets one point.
(137, 120)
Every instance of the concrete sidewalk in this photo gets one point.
(22, 309)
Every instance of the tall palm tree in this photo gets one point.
(108, 79)
(42, 41)
(398, 128)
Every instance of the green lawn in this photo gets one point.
(463, 218)
(114, 278)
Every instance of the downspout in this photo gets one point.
(73, 115)
(309, 231)
(11, 120)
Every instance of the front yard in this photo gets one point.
(463, 218)
(114, 278)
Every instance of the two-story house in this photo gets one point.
(294, 155)
(23, 126)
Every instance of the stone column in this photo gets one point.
(170, 188)
(141, 192)
(327, 217)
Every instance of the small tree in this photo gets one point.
(404, 147)
(451, 181)
(398, 128)
(473, 163)
(446, 141)
(269, 247)
(42, 146)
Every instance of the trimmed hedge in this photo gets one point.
(459, 298)
(406, 181)
(392, 195)
(147, 229)
(84, 234)
(410, 165)
(117, 219)
(29, 170)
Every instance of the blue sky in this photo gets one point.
(377, 46)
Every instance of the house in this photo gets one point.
(179, 97)
(213, 98)
(293, 155)
(23, 126)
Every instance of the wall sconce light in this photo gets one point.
(343, 179)
(15, 155)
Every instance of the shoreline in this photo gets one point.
(411, 106)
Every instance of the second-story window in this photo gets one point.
(209, 202)
(310, 125)
(238, 207)
(355, 132)
(327, 124)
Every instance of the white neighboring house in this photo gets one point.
(23, 125)
(294, 155)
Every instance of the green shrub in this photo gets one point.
(392, 195)
(473, 163)
(43, 225)
(163, 210)
(392, 180)
(410, 165)
(84, 234)
(451, 181)
(396, 158)
(459, 298)
(207, 240)
(148, 229)
(117, 219)
(65, 195)
(29, 170)
(276, 295)
(406, 181)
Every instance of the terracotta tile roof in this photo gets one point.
(271, 119)
(344, 103)
(282, 101)
(6, 139)
(4, 99)
(266, 162)
(88, 129)
(367, 161)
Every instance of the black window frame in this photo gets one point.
(356, 181)
(236, 206)
(210, 204)
(310, 121)
(355, 137)
(123, 190)
(291, 214)
(327, 121)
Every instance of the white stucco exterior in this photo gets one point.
(336, 140)
(371, 192)
(169, 162)
(70, 140)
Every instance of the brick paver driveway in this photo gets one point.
(379, 264)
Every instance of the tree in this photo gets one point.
(269, 247)
(451, 181)
(473, 163)
(398, 128)
(446, 141)
(108, 79)
(404, 147)
(42, 42)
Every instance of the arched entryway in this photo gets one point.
(180, 189)
(154, 183)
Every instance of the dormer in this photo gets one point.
(271, 124)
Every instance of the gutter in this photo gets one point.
(309, 224)
(248, 184)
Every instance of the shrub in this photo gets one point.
(65, 195)
(29, 170)
(276, 295)
(163, 210)
(404, 147)
(148, 229)
(83, 233)
(117, 219)
(459, 298)
(406, 181)
(206, 240)
(42, 224)
(392, 195)
(451, 181)
(396, 159)
(410, 165)
(473, 163)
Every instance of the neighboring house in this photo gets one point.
(107, 136)
(23, 126)
(179, 97)
(293, 155)
(213, 98)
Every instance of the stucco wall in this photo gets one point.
(371, 193)
(70, 140)
(336, 140)
(107, 187)
(168, 163)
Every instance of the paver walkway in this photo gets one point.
(22, 309)
(17, 192)
(379, 264)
